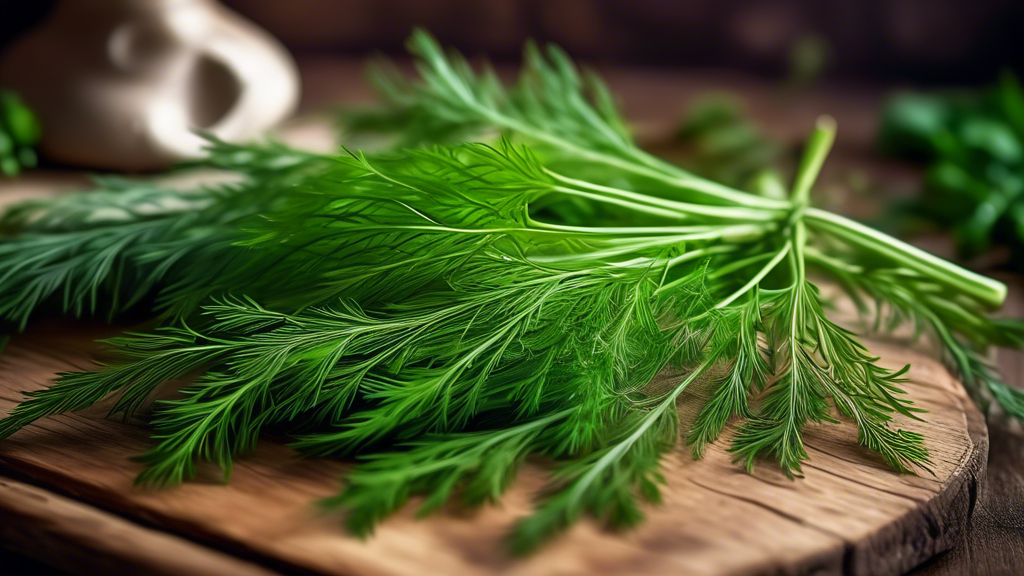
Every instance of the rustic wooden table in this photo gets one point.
(994, 542)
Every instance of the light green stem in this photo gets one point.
(681, 181)
(718, 212)
(757, 277)
(814, 157)
(986, 290)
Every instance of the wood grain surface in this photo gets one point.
(849, 515)
(993, 542)
(78, 537)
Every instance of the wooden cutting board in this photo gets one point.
(66, 493)
(848, 515)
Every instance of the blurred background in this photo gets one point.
(927, 42)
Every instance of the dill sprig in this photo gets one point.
(442, 311)
(101, 252)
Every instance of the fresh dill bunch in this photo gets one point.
(443, 312)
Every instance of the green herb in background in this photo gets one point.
(442, 312)
(974, 147)
(19, 133)
(724, 145)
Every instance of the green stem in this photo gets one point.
(739, 233)
(955, 313)
(618, 231)
(689, 256)
(731, 267)
(986, 290)
(810, 166)
(757, 277)
(678, 179)
(989, 291)
(638, 162)
(693, 254)
(814, 157)
(719, 212)
(642, 208)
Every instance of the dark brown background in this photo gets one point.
(916, 41)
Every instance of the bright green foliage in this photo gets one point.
(480, 465)
(100, 253)
(443, 312)
(974, 147)
(19, 133)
